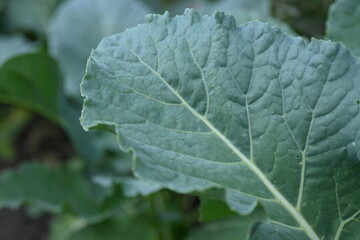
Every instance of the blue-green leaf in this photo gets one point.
(343, 24)
(205, 103)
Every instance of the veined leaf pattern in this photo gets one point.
(203, 103)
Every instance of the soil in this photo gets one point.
(42, 141)
(17, 225)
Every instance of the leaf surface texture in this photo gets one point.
(204, 103)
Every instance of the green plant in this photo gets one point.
(272, 120)
(227, 113)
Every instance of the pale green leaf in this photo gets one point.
(204, 103)
(137, 187)
(79, 25)
(11, 46)
(343, 24)
(29, 15)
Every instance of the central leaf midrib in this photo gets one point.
(276, 193)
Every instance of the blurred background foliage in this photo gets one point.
(59, 182)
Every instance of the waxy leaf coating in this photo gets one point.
(204, 103)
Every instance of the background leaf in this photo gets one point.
(112, 229)
(13, 45)
(343, 24)
(22, 80)
(262, 7)
(71, 37)
(11, 126)
(29, 15)
(36, 72)
(64, 187)
(234, 228)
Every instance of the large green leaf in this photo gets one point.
(204, 103)
(71, 37)
(343, 24)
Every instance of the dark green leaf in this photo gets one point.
(50, 189)
(232, 228)
(67, 227)
(31, 80)
(213, 205)
(114, 229)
